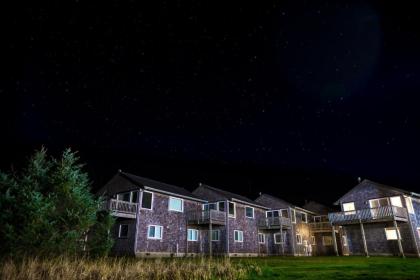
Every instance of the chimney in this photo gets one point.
(359, 179)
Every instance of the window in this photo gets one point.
(317, 219)
(344, 240)
(298, 238)
(192, 235)
(304, 217)
(409, 204)
(272, 214)
(327, 240)
(222, 206)
(313, 241)
(349, 208)
(278, 238)
(380, 202)
(128, 196)
(147, 200)
(215, 235)
(261, 238)
(232, 209)
(123, 231)
(249, 212)
(391, 234)
(154, 232)
(293, 215)
(176, 204)
(396, 201)
(239, 235)
(284, 213)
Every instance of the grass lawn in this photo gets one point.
(335, 268)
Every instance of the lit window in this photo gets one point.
(261, 238)
(327, 240)
(409, 204)
(349, 208)
(298, 238)
(176, 204)
(232, 209)
(396, 201)
(123, 231)
(379, 202)
(239, 236)
(146, 202)
(154, 232)
(215, 235)
(192, 234)
(391, 234)
(249, 212)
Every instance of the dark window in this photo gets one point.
(147, 200)
(222, 206)
(232, 209)
(249, 212)
(275, 213)
(123, 231)
(134, 196)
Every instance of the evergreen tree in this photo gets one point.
(48, 209)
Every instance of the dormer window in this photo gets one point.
(349, 208)
(396, 201)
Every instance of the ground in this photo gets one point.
(335, 268)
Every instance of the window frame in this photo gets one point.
(263, 238)
(348, 212)
(234, 209)
(151, 201)
(253, 212)
(396, 196)
(397, 233)
(409, 205)
(154, 237)
(313, 240)
(293, 216)
(281, 237)
(224, 206)
(188, 234)
(218, 235)
(297, 239)
(119, 231)
(175, 210)
(240, 233)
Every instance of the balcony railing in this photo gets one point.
(274, 222)
(206, 217)
(369, 215)
(121, 208)
(320, 226)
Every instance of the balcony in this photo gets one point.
(205, 217)
(274, 223)
(119, 208)
(370, 215)
(320, 226)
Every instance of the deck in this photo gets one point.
(274, 223)
(205, 217)
(320, 226)
(370, 215)
(122, 209)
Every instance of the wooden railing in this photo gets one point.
(320, 226)
(114, 205)
(368, 215)
(273, 222)
(206, 216)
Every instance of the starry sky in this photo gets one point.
(293, 98)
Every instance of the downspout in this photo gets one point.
(227, 227)
(140, 198)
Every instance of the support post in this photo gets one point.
(186, 242)
(293, 232)
(399, 239)
(362, 229)
(334, 241)
(210, 238)
(227, 226)
(281, 236)
(413, 234)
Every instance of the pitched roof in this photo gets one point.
(378, 185)
(284, 202)
(233, 196)
(149, 184)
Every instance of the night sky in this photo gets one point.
(293, 98)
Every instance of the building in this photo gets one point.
(296, 231)
(238, 234)
(379, 220)
(151, 217)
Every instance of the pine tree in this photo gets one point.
(48, 209)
